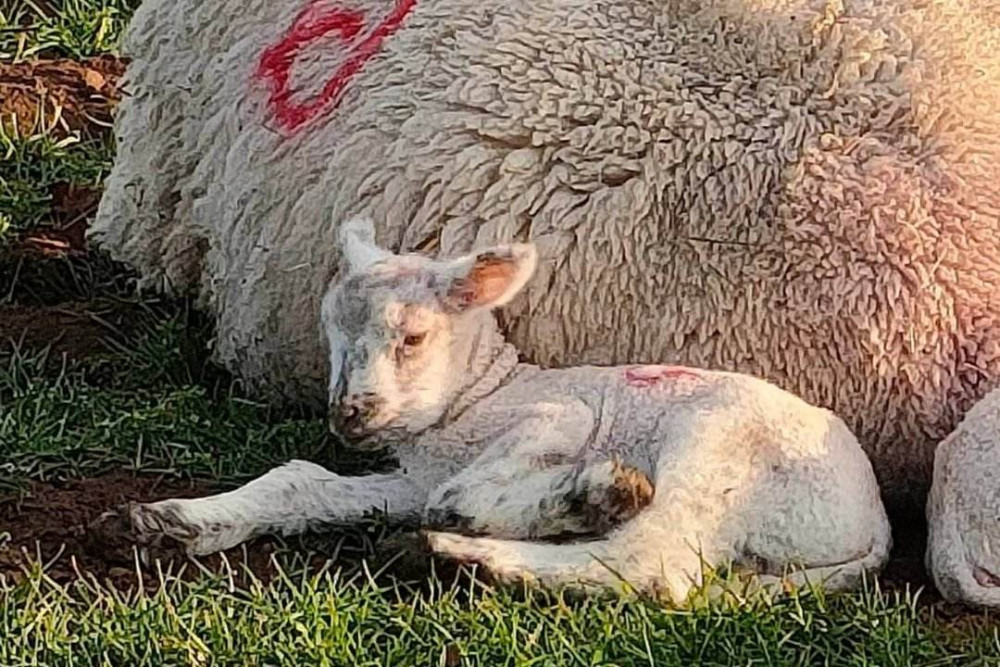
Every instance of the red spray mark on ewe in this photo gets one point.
(651, 376)
(314, 23)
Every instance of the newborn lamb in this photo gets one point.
(655, 471)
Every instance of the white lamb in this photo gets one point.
(963, 512)
(668, 465)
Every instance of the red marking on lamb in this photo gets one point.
(313, 23)
(651, 376)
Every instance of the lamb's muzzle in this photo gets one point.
(352, 415)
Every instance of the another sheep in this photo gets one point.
(963, 551)
(801, 190)
(742, 472)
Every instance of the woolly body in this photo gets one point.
(801, 190)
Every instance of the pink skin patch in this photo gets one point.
(651, 376)
(985, 578)
(313, 23)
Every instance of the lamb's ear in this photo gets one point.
(357, 242)
(488, 278)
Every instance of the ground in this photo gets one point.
(107, 396)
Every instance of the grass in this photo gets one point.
(32, 161)
(329, 620)
(74, 29)
(153, 403)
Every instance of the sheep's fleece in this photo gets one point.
(802, 190)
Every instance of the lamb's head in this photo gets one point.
(402, 329)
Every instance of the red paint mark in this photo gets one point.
(313, 23)
(650, 376)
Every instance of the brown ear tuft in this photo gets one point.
(487, 281)
(488, 278)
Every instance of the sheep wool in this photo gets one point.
(802, 190)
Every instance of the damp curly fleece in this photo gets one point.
(804, 190)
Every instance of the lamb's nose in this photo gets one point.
(350, 416)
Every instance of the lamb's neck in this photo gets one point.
(503, 367)
(489, 362)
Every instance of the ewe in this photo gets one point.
(801, 190)
(664, 465)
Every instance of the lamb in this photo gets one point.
(963, 512)
(667, 468)
(800, 190)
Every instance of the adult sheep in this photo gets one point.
(803, 190)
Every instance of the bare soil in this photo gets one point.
(50, 526)
(72, 208)
(76, 330)
(63, 94)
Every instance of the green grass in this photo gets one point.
(75, 29)
(32, 160)
(327, 620)
(151, 404)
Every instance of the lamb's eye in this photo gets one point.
(413, 340)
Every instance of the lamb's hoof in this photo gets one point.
(460, 550)
(110, 537)
(117, 534)
(611, 495)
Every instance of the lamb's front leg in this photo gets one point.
(589, 498)
(537, 480)
(287, 500)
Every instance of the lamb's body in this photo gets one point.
(741, 471)
(801, 190)
(963, 513)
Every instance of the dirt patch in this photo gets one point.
(48, 243)
(50, 523)
(63, 94)
(51, 526)
(73, 207)
(51, 265)
(77, 330)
